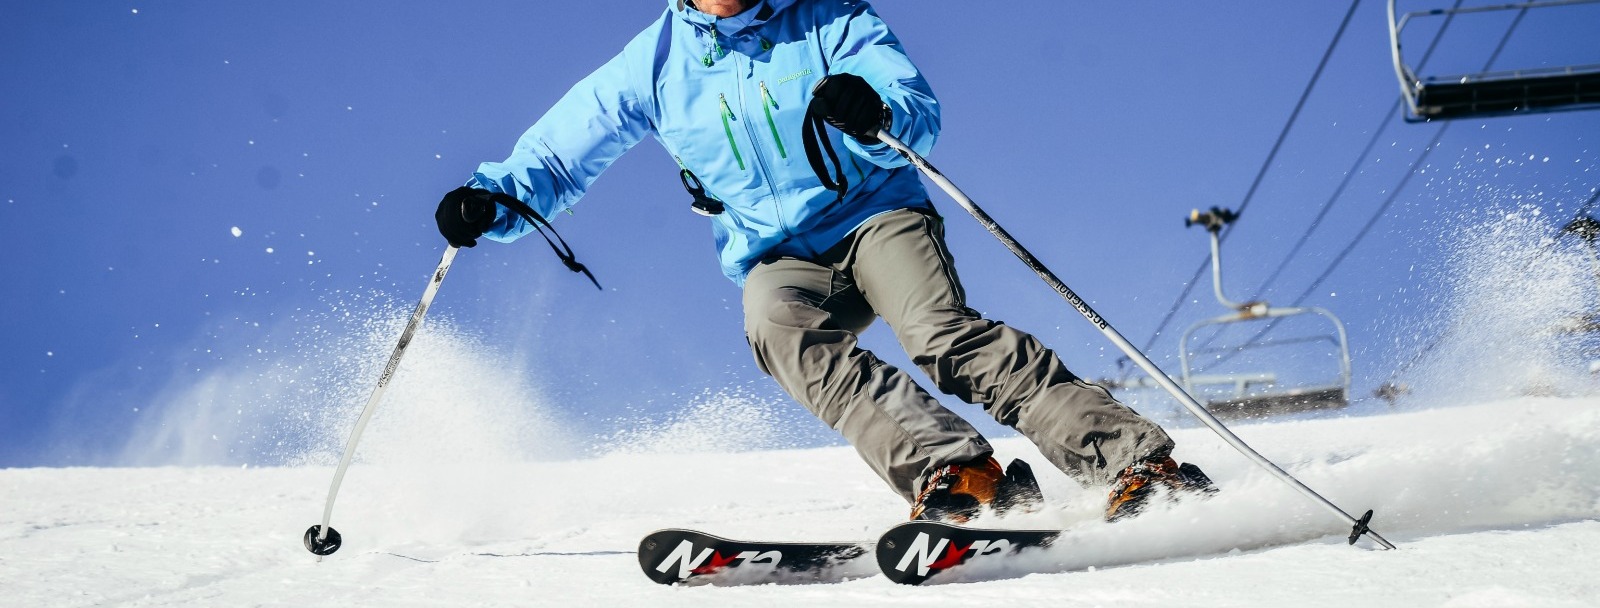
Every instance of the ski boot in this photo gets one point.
(956, 493)
(1135, 486)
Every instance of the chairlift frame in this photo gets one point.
(1587, 229)
(1497, 93)
(1288, 401)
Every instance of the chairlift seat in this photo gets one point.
(1487, 94)
(1279, 401)
(1286, 402)
(1507, 93)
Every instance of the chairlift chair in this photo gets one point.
(1587, 229)
(1496, 93)
(1278, 401)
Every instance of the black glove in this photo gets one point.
(464, 215)
(848, 103)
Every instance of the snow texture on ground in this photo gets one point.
(1495, 504)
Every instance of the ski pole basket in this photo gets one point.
(1498, 93)
(1259, 394)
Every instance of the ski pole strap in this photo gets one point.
(815, 138)
(563, 251)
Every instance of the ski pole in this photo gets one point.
(1359, 526)
(324, 540)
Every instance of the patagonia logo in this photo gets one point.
(805, 72)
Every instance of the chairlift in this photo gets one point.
(1497, 93)
(1587, 229)
(1245, 402)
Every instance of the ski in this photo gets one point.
(916, 551)
(675, 556)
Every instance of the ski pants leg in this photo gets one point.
(802, 317)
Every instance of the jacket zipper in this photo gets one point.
(727, 113)
(750, 130)
(767, 104)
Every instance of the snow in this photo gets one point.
(1493, 504)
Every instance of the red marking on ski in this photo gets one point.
(952, 556)
(717, 562)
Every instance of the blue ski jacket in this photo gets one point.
(727, 98)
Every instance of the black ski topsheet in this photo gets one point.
(913, 552)
(675, 556)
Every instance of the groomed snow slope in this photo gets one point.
(1492, 505)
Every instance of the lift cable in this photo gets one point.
(1378, 214)
(1588, 205)
(1249, 195)
(1338, 259)
(1349, 174)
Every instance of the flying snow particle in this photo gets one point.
(135, 11)
(269, 250)
(236, 231)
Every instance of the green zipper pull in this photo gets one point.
(767, 104)
(713, 50)
(727, 114)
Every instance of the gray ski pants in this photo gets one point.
(802, 317)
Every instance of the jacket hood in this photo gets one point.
(759, 12)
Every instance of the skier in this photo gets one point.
(727, 87)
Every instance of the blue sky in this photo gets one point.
(138, 136)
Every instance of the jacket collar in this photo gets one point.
(760, 12)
